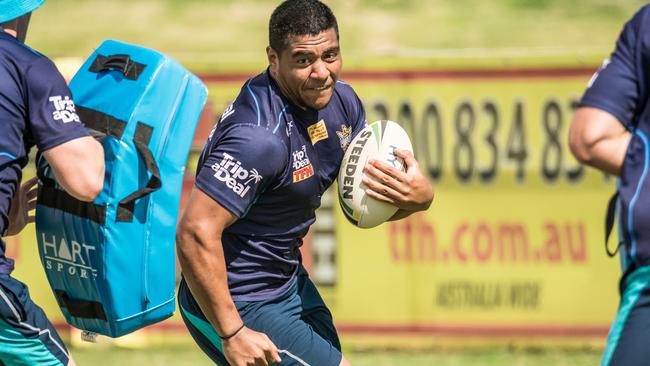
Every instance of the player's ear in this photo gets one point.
(272, 56)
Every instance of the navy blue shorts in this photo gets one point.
(297, 322)
(26, 336)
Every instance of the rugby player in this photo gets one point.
(610, 132)
(244, 296)
(36, 109)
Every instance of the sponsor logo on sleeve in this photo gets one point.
(302, 168)
(237, 178)
(317, 132)
(345, 135)
(64, 109)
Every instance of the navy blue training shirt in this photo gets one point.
(620, 88)
(268, 162)
(36, 109)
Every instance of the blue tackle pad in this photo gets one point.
(111, 263)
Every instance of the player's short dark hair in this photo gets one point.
(298, 18)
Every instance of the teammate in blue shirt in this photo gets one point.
(245, 296)
(36, 109)
(610, 132)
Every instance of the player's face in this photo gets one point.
(308, 68)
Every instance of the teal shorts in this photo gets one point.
(26, 336)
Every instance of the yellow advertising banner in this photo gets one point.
(512, 246)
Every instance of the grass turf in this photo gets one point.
(190, 355)
(232, 34)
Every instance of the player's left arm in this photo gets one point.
(409, 190)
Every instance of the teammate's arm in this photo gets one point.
(599, 135)
(598, 139)
(410, 191)
(78, 166)
(76, 159)
(200, 253)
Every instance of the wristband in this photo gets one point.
(225, 338)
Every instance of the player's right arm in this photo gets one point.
(240, 160)
(78, 166)
(200, 253)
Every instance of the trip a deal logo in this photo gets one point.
(237, 178)
(64, 109)
(302, 168)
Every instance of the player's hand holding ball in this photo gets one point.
(407, 190)
(379, 176)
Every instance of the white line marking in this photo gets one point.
(29, 326)
(11, 306)
(300, 361)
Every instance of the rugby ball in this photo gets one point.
(376, 141)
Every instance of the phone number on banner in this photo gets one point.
(476, 141)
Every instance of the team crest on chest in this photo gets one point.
(344, 136)
(317, 132)
(302, 168)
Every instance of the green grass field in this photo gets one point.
(179, 349)
(232, 34)
(189, 355)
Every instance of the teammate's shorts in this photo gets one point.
(628, 340)
(297, 322)
(26, 336)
